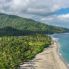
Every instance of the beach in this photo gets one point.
(48, 59)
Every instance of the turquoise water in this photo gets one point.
(63, 40)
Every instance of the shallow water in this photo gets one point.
(63, 40)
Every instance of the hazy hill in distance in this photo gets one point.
(12, 25)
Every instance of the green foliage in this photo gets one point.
(16, 50)
(10, 24)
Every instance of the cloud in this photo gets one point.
(48, 11)
(14, 6)
(55, 21)
(18, 5)
(64, 16)
(32, 6)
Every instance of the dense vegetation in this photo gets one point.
(14, 25)
(21, 39)
(15, 50)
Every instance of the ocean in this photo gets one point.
(63, 40)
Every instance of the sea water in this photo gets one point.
(63, 40)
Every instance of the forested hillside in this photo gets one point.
(12, 25)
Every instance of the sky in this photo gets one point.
(52, 12)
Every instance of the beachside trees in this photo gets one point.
(15, 50)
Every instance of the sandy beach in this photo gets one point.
(48, 59)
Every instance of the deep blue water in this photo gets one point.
(63, 40)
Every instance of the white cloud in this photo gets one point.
(47, 18)
(37, 11)
(55, 7)
(32, 6)
(64, 16)
(14, 6)
(19, 4)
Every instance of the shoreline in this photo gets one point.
(49, 59)
(60, 55)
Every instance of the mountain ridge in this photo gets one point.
(24, 24)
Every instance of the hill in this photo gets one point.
(12, 24)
